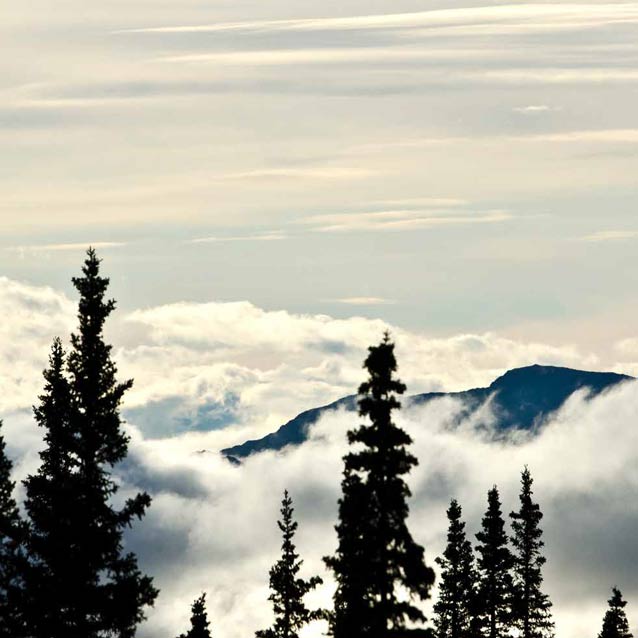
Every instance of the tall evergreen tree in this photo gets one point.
(11, 557)
(374, 538)
(88, 586)
(494, 563)
(51, 505)
(288, 590)
(455, 608)
(351, 616)
(531, 608)
(615, 623)
(199, 620)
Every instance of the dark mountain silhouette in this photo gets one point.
(521, 399)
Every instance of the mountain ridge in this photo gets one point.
(522, 399)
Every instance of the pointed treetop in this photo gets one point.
(199, 620)
(287, 589)
(287, 525)
(454, 610)
(526, 481)
(454, 511)
(93, 310)
(531, 607)
(615, 623)
(494, 562)
(381, 363)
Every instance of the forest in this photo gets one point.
(65, 571)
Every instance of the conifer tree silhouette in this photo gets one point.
(288, 590)
(494, 564)
(199, 620)
(377, 554)
(531, 608)
(351, 616)
(11, 557)
(456, 605)
(51, 504)
(83, 584)
(615, 623)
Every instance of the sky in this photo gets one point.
(448, 165)
(273, 184)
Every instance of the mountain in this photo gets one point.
(521, 399)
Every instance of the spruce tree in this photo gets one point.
(51, 505)
(11, 556)
(456, 605)
(288, 590)
(373, 535)
(615, 623)
(89, 587)
(531, 608)
(351, 616)
(199, 620)
(494, 563)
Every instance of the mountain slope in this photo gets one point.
(521, 399)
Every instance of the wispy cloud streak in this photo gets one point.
(365, 301)
(610, 236)
(274, 236)
(577, 13)
(67, 247)
(397, 220)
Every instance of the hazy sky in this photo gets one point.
(446, 165)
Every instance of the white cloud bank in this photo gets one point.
(235, 363)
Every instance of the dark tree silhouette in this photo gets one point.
(351, 616)
(83, 584)
(455, 608)
(51, 504)
(373, 534)
(199, 620)
(615, 623)
(11, 557)
(494, 563)
(531, 608)
(288, 590)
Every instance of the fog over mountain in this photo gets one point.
(209, 375)
(522, 401)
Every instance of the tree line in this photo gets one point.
(64, 571)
